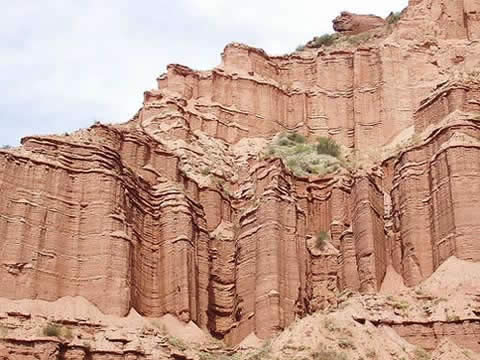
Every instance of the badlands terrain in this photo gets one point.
(323, 204)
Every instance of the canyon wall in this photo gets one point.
(177, 211)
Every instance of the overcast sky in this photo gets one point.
(67, 63)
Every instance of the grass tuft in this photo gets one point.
(321, 240)
(421, 354)
(296, 138)
(328, 146)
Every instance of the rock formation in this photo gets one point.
(353, 24)
(179, 211)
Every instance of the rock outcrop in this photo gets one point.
(354, 24)
(180, 210)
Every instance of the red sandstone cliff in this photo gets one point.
(176, 211)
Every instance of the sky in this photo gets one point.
(65, 64)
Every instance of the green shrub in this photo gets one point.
(320, 41)
(302, 157)
(421, 354)
(52, 330)
(67, 333)
(6, 147)
(178, 343)
(301, 148)
(324, 40)
(204, 355)
(55, 330)
(296, 138)
(262, 353)
(284, 142)
(308, 168)
(401, 305)
(291, 163)
(328, 146)
(358, 39)
(328, 355)
(321, 240)
(394, 17)
(205, 171)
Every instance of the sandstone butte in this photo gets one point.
(157, 238)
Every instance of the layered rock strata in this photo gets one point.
(177, 211)
(349, 23)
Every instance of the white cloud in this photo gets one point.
(281, 25)
(65, 63)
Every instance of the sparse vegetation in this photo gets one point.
(358, 39)
(57, 331)
(371, 354)
(305, 158)
(346, 344)
(157, 324)
(394, 17)
(262, 353)
(67, 333)
(328, 40)
(206, 356)
(421, 354)
(401, 305)
(296, 348)
(52, 330)
(328, 355)
(328, 146)
(205, 171)
(321, 239)
(324, 40)
(223, 186)
(6, 147)
(296, 138)
(176, 342)
(451, 316)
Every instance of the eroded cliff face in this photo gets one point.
(180, 212)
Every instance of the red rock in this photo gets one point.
(171, 213)
(353, 24)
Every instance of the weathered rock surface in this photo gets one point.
(179, 212)
(440, 316)
(353, 24)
